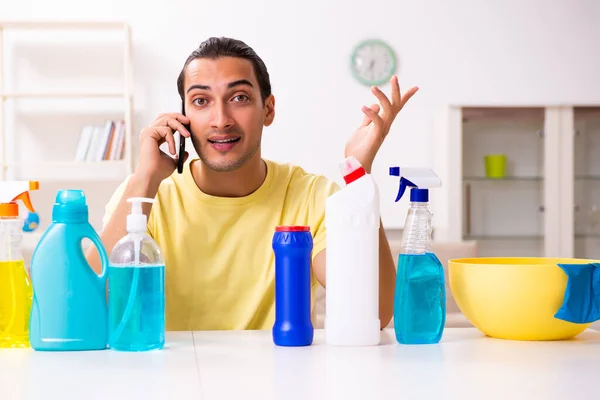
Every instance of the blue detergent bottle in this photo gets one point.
(69, 303)
(136, 287)
(420, 297)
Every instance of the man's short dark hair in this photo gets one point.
(214, 48)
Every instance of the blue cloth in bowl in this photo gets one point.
(581, 304)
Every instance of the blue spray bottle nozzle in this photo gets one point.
(423, 178)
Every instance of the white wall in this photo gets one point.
(462, 51)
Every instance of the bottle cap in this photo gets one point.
(70, 206)
(9, 209)
(351, 169)
(418, 195)
(292, 229)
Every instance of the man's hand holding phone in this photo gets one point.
(154, 165)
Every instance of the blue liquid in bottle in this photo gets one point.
(137, 307)
(420, 300)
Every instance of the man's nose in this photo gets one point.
(220, 118)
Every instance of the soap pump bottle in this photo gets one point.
(136, 287)
(420, 296)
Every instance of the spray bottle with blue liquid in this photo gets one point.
(420, 298)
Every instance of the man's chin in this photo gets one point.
(223, 165)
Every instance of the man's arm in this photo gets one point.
(387, 277)
(153, 167)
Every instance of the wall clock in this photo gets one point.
(373, 62)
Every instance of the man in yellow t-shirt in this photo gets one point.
(214, 222)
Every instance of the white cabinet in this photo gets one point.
(547, 203)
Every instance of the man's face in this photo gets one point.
(223, 102)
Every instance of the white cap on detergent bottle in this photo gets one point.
(137, 220)
(352, 170)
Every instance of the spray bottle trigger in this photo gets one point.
(395, 171)
(24, 197)
(404, 183)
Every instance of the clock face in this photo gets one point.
(373, 62)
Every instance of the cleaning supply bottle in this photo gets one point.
(136, 287)
(292, 246)
(16, 292)
(69, 303)
(420, 297)
(352, 259)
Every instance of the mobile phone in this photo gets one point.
(181, 153)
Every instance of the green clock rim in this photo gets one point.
(368, 42)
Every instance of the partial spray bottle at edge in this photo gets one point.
(16, 292)
(420, 297)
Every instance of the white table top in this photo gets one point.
(246, 365)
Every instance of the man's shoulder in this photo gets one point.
(298, 179)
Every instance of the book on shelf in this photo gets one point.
(101, 142)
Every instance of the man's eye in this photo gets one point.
(199, 102)
(240, 98)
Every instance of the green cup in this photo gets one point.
(495, 166)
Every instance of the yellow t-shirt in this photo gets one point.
(219, 263)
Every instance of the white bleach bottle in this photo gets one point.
(352, 260)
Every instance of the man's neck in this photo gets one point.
(239, 183)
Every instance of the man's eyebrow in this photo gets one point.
(240, 82)
(201, 87)
(229, 85)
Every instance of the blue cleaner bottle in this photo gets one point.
(420, 298)
(136, 287)
(69, 298)
(292, 246)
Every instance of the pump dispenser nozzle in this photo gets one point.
(137, 220)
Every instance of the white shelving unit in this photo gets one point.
(120, 167)
(547, 204)
(69, 107)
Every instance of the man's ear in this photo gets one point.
(269, 110)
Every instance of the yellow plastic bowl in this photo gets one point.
(514, 298)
